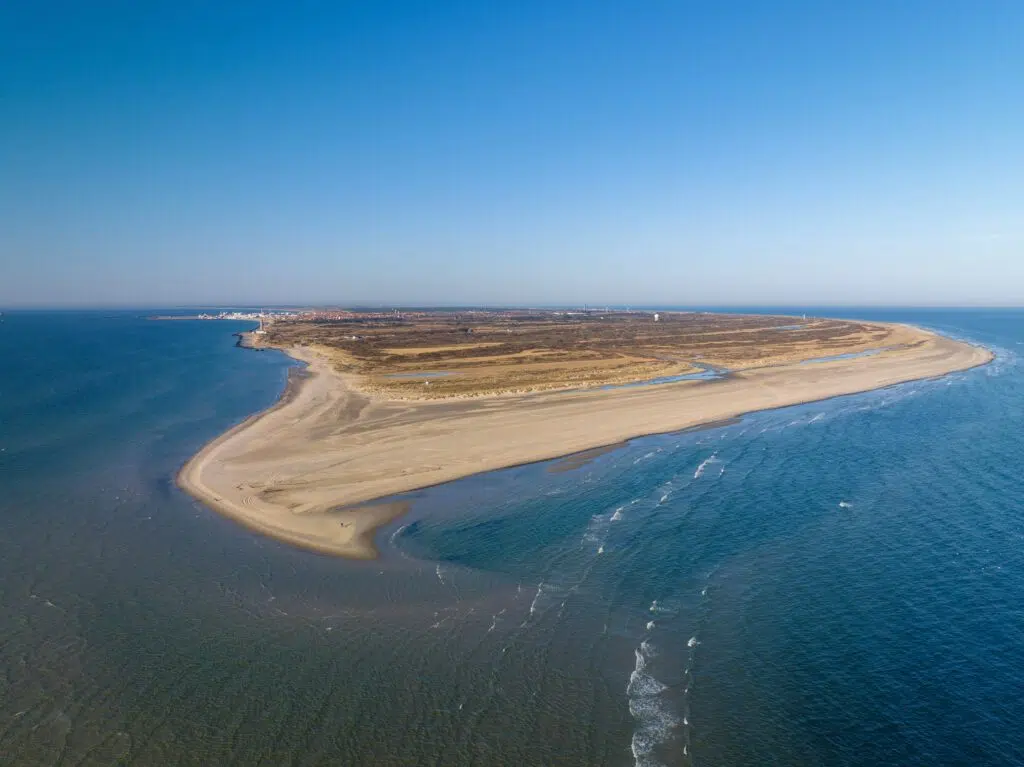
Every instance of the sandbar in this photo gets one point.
(299, 470)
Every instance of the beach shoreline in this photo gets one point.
(310, 470)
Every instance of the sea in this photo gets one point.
(838, 583)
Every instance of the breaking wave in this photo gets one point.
(655, 722)
(707, 462)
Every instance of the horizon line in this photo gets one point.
(575, 306)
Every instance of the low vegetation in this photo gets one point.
(437, 354)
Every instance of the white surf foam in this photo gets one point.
(650, 625)
(494, 620)
(707, 462)
(617, 515)
(646, 456)
(533, 604)
(596, 532)
(654, 720)
(845, 505)
(659, 607)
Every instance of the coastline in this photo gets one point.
(308, 469)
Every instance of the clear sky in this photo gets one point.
(774, 152)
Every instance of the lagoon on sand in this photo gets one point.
(825, 583)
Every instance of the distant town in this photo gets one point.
(361, 314)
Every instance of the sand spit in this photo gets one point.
(325, 446)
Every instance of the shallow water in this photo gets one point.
(847, 356)
(706, 373)
(836, 583)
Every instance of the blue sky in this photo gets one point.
(511, 153)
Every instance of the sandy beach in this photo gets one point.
(297, 471)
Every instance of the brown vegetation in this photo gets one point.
(431, 355)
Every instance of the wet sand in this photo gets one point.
(579, 460)
(295, 471)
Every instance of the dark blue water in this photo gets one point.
(833, 584)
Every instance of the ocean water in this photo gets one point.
(839, 583)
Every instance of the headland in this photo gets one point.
(393, 404)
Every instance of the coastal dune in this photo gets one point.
(296, 471)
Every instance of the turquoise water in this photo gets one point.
(838, 583)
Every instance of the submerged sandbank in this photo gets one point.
(325, 446)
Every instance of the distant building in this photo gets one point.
(656, 317)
